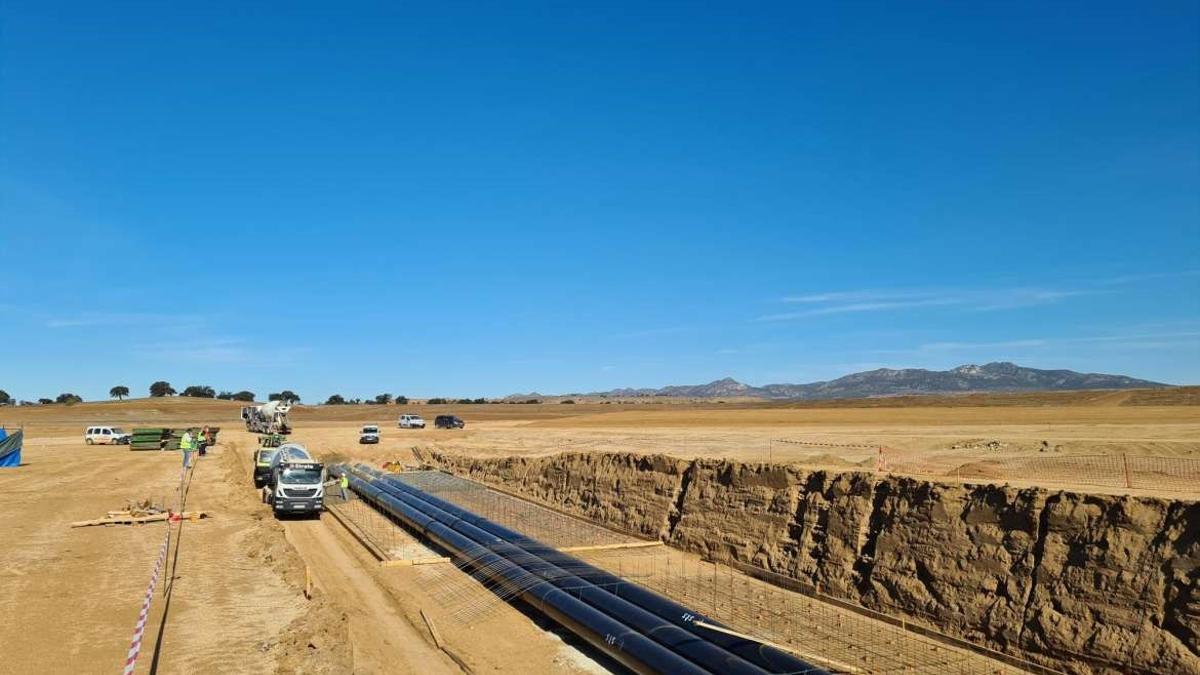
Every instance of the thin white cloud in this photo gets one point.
(966, 299)
(89, 319)
(866, 300)
(1135, 341)
(222, 351)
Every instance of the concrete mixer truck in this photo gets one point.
(268, 418)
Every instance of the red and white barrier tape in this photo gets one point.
(139, 630)
(135, 645)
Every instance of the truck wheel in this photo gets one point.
(88, 441)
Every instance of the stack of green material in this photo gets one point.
(146, 438)
(173, 438)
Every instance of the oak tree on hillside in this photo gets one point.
(336, 399)
(401, 400)
(118, 392)
(45, 401)
(289, 396)
(5, 399)
(383, 399)
(68, 398)
(199, 391)
(244, 396)
(161, 388)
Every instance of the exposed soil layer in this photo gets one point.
(1081, 582)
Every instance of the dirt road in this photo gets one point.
(382, 639)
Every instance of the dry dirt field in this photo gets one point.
(236, 601)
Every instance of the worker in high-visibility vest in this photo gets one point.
(344, 483)
(185, 445)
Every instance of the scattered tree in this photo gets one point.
(68, 399)
(336, 399)
(276, 396)
(289, 396)
(437, 401)
(244, 396)
(199, 391)
(401, 400)
(45, 401)
(383, 399)
(5, 399)
(225, 395)
(160, 389)
(570, 401)
(118, 392)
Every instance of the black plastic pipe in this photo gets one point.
(694, 647)
(769, 658)
(625, 644)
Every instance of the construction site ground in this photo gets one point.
(238, 605)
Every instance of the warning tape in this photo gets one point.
(139, 630)
(135, 645)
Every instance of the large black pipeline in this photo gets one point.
(627, 645)
(769, 658)
(693, 647)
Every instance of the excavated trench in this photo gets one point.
(1079, 582)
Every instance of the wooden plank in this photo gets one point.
(610, 547)
(437, 637)
(137, 520)
(414, 561)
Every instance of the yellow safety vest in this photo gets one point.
(185, 443)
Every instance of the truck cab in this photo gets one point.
(262, 465)
(297, 482)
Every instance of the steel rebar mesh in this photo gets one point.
(539, 522)
(838, 638)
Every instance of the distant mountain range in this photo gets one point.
(999, 376)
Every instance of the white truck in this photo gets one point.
(268, 418)
(297, 482)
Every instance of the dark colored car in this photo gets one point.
(449, 422)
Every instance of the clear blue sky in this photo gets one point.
(485, 198)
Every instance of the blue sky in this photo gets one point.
(485, 198)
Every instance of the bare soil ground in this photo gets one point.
(237, 604)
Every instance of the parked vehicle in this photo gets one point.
(369, 434)
(449, 422)
(297, 482)
(105, 436)
(410, 421)
(268, 418)
(262, 465)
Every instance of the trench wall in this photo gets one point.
(1081, 582)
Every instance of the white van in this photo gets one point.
(105, 436)
(411, 421)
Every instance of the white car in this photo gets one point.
(105, 436)
(369, 434)
(412, 422)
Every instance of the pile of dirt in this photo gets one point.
(1080, 582)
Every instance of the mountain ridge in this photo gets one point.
(997, 376)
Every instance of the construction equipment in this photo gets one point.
(268, 418)
(296, 483)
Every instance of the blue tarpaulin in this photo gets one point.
(10, 448)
